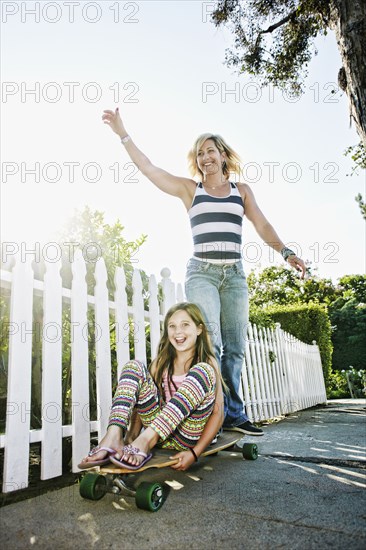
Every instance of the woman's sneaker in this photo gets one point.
(246, 428)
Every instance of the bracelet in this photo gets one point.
(194, 454)
(286, 252)
(125, 139)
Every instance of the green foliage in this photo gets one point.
(352, 287)
(260, 316)
(356, 379)
(307, 322)
(361, 204)
(347, 383)
(337, 387)
(88, 232)
(358, 155)
(349, 340)
(277, 295)
(4, 345)
(281, 285)
(278, 53)
(274, 285)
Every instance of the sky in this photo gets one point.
(162, 64)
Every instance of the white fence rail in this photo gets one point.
(280, 375)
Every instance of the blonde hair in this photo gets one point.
(232, 160)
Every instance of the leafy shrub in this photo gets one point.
(307, 322)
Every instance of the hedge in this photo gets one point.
(307, 322)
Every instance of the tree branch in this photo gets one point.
(280, 23)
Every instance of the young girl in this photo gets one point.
(179, 402)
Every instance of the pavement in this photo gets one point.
(305, 491)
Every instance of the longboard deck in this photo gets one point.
(161, 456)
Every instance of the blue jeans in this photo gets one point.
(221, 292)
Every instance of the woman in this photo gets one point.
(215, 278)
(179, 402)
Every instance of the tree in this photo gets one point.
(273, 285)
(274, 40)
(353, 287)
(87, 231)
(349, 322)
(345, 302)
(280, 285)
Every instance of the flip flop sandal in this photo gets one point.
(133, 451)
(101, 462)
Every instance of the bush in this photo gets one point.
(337, 386)
(356, 379)
(349, 322)
(307, 322)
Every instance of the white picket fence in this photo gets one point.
(281, 374)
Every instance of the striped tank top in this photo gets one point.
(216, 224)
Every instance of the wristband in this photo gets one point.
(194, 454)
(286, 252)
(125, 139)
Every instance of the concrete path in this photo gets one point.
(306, 491)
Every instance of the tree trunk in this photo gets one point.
(348, 20)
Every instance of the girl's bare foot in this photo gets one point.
(112, 440)
(144, 442)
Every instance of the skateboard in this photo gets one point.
(152, 495)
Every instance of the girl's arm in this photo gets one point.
(183, 188)
(211, 428)
(264, 229)
(214, 423)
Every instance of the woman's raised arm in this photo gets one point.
(183, 188)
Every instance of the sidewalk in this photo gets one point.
(306, 491)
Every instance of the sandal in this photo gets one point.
(86, 465)
(134, 451)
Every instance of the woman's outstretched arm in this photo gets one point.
(265, 230)
(183, 188)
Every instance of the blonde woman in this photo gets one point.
(215, 278)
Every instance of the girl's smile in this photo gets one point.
(182, 331)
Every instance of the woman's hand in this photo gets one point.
(114, 121)
(298, 264)
(186, 460)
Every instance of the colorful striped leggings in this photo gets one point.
(181, 421)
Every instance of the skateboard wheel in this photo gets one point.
(93, 486)
(250, 451)
(150, 496)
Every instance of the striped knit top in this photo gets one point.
(168, 388)
(216, 224)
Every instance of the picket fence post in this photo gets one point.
(154, 316)
(51, 464)
(79, 362)
(102, 347)
(122, 329)
(138, 317)
(16, 456)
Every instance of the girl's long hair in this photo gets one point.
(167, 353)
(231, 164)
